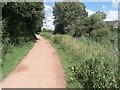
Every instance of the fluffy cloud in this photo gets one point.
(47, 8)
(48, 22)
(90, 12)
(111, 15)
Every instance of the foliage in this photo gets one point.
(20, 22)
(92, 27)
(72, 19)
(91, 64)
(26, 15)
(101, 15)
(65, 13)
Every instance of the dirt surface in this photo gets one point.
(41, 68)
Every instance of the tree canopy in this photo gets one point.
(72, 18)
(92, 27)
(21, 20)
(66, 13)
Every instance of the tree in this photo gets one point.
(97, 28)
(22, 19)
(101, 15)
(93, 27)
(66, 13)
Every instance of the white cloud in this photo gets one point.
(90, 12)
(48, 17)
(111, 15)
(49, 21)
(47, 8)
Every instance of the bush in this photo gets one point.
(93, 27)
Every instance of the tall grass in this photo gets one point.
(92, 65)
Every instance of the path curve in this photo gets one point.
(41, 68)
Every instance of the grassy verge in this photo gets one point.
(13, 58)
(66, 65)
(87, 64)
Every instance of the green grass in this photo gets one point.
(87, 64)
(66, 65)
(13, 58)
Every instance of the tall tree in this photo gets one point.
(22, 19)
(20, 22)
(66, 13)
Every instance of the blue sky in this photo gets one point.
(95, 6)
(110, 8)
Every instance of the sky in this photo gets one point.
(110, 8)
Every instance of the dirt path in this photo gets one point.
(41, 68)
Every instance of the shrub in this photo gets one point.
(93, 27)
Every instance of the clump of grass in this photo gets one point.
(91, 64)
(13, 58)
